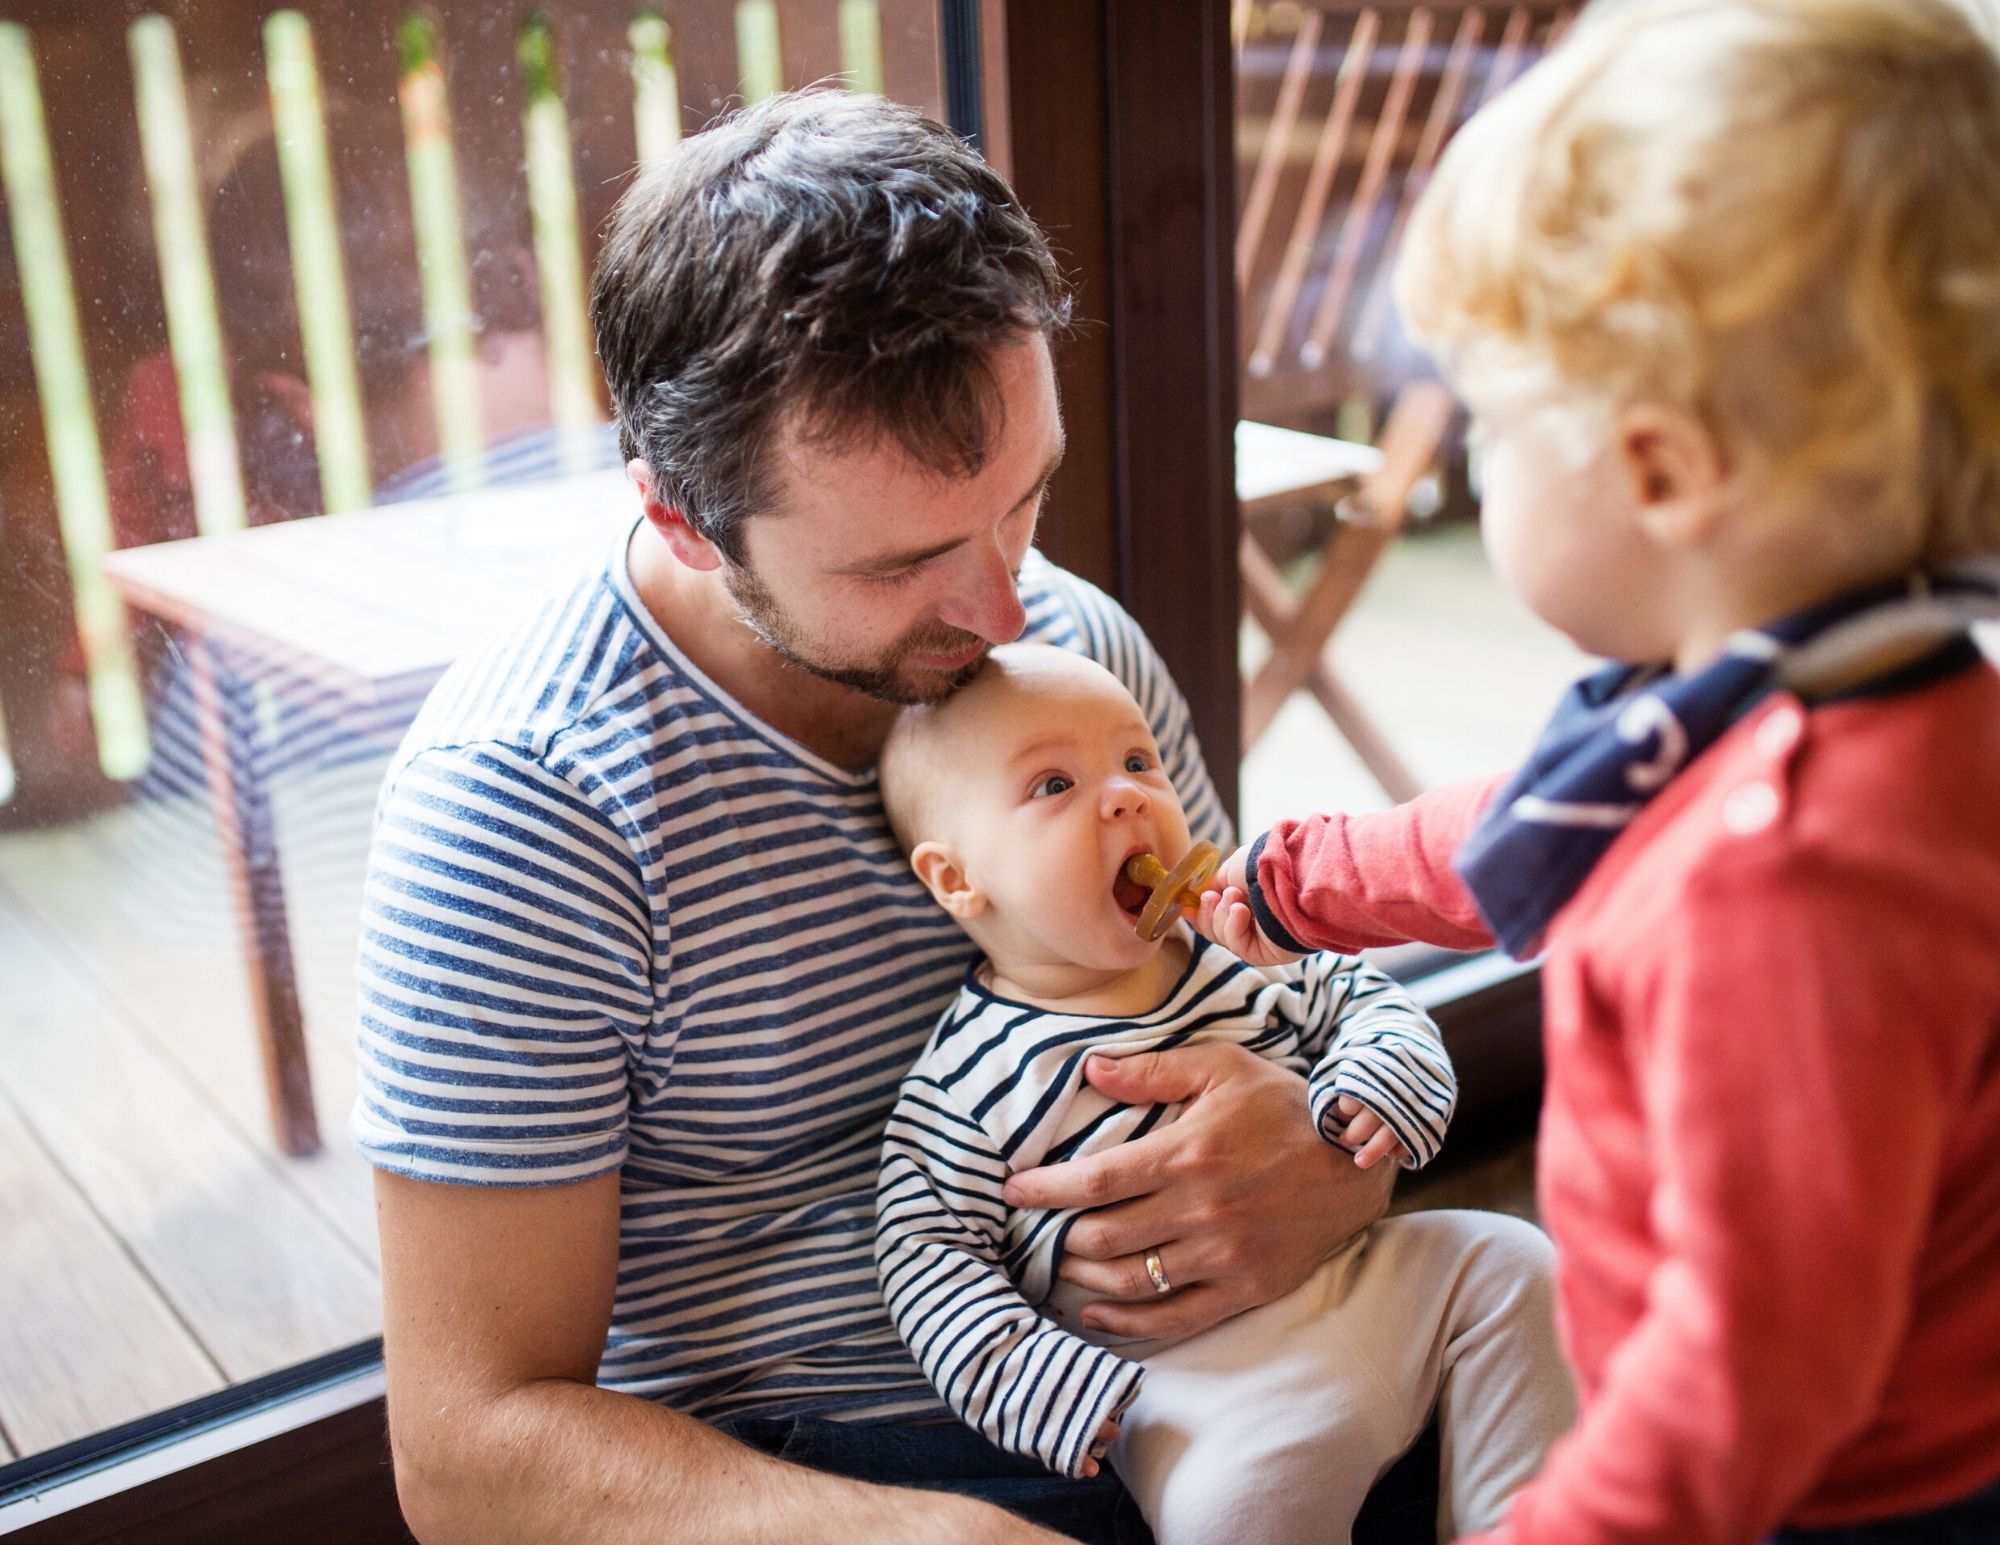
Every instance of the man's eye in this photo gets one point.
(898, 576)
(1054, 783)
(1138, 762)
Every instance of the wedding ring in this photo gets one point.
(1157, 1270)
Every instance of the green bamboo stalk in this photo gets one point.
(312, 223)
(558, 245)
(861, 44)
(69, 418)
(447, 282)
(656, 89)
(187, 279)
(759, 58)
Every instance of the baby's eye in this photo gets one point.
(1054, 783)
(1138, 762)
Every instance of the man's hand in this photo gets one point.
(1225, 918)
(1241, 1197)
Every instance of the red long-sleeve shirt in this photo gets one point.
(1770, 1139)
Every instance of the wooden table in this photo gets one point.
(1275, 466)
(368, 607)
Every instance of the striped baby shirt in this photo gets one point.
(1000, 1088)
(613, 922)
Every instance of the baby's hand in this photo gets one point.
(1100, 1446)
(1224, 915)
(1367, 1136)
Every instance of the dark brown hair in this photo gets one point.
(826, 259)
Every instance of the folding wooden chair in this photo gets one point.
(1315, 294)
(1300, 629)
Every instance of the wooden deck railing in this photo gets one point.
(263, 256)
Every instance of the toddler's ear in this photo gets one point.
(943, 876)
(1675, 471)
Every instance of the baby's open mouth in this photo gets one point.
(1128, 893)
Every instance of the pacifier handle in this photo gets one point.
(1174, 890)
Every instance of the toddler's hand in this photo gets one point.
(1100, 1446)
(1224, 915)
(1367, 1136)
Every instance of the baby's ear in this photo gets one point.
(944, 877)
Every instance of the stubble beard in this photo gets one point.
(884, 680)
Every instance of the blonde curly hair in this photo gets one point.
(1781, 215)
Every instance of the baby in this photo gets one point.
(1020, 801)
(1720, 280)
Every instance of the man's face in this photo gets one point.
(876, 572)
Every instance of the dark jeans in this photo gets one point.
(1975, 1521)
(948, 1456)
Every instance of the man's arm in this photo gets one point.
(496, 1302)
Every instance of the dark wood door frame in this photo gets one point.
(1120, 127)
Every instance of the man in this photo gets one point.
(642, 967)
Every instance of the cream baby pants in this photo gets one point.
(1269, 1428)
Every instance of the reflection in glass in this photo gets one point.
(263, 267)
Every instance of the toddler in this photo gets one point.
(1020, 800)
(1720, 281)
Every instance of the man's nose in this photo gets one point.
(1124, 798)
(986, 600)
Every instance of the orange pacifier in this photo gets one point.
(1175, 890)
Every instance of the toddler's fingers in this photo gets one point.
(1363, 1127)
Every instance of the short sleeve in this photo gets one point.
(504, 975)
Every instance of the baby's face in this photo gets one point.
(1056, 783)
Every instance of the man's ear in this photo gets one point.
(1674, 470)
(683, 541)
(944, 877)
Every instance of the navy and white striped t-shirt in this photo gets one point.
(1000, 1089)
(614, 922)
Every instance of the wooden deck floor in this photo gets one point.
(153, 1244)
